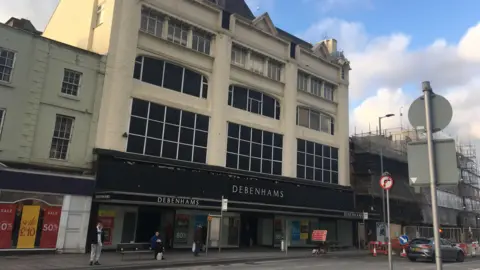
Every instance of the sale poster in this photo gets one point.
(7, 217)
(304, 230)
(319, 235)
(28, 226)
(108, 225)
(182, 224)
(295, 230)
(51, 221)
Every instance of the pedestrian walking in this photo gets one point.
(96, 244)
(157, 246)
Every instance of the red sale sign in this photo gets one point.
(319, 235)
(51, 221)
(7, 217)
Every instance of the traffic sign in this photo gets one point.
(441, 113)
(403, 239)
(386, 182)
(224, 205)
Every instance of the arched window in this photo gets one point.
(315, 120)
(170, 76)
(253, 101)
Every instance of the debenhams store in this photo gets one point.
(138, 195)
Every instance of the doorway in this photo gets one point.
(249, 230)
(149, 221)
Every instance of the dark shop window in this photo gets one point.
(171, 76)
(161, 131)
(317, 162)
(251, 149)
(253, 101)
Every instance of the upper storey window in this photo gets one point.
(253, 101)
(315, 120)
(170, 76)
(256, 62)
(315, 86)
(160, 25)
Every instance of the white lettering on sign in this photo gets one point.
(6, 226)
(179, 201)
(255, 191)
(6, 211)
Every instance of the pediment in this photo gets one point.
(321, 49)
(264, 23)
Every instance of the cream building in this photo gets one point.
(205, 86)
(309, 83)
(49, 105)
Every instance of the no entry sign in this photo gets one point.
(386, 182)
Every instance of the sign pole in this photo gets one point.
(221, 226)
(209, 222)
(427, 91)
(390, 265)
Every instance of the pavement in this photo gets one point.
(112, 260)
(333, 262)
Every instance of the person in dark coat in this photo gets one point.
(157, 245)
(96, 244)
(197, 240)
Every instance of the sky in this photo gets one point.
(392, 45)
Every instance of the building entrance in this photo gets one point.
(249, 230)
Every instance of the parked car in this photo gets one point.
(423, 248)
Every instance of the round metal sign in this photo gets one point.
(441, 113)
(386, 182)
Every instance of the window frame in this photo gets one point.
(276, 108)
(274, 70)
(183, 28)
(317, 157)
(204, 81)
(10, 76)
(262, 146)
(151, 16)
(302, 81)
(3, 114)
(323, 116)
(257, 65)
(52, 154)
(237, 50)
(78, 87)
(164, 122)
(330, 91)
(207, 41)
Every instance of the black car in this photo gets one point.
(423, 248)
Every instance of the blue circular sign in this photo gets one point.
(403, 239)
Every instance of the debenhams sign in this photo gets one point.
(255, 191)
(178, 201)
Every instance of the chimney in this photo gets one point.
(22, 24)
(331, 45)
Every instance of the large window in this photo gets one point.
(302, 81)
(152, 22)
(256, 63)
(317, 162)
(315, 120)
(7, 61)
(253, 101)
(254, 150)
(170, 76)
(62, 134)
(274, 70)
(161, 131)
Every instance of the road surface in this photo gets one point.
(367, 263)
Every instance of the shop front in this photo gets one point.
(142, 195)
(43, 211)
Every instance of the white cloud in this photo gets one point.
(38, 12)
(382, 66)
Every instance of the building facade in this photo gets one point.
(49, 95)
(202, 100)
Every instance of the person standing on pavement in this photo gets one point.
(197, 240)
(97, 244)
(157, 246)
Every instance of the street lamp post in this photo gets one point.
(381, 162)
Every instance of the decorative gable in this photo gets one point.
(321, 50)
(264, 23)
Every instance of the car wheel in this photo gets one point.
(412, 259)
(460, 257)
